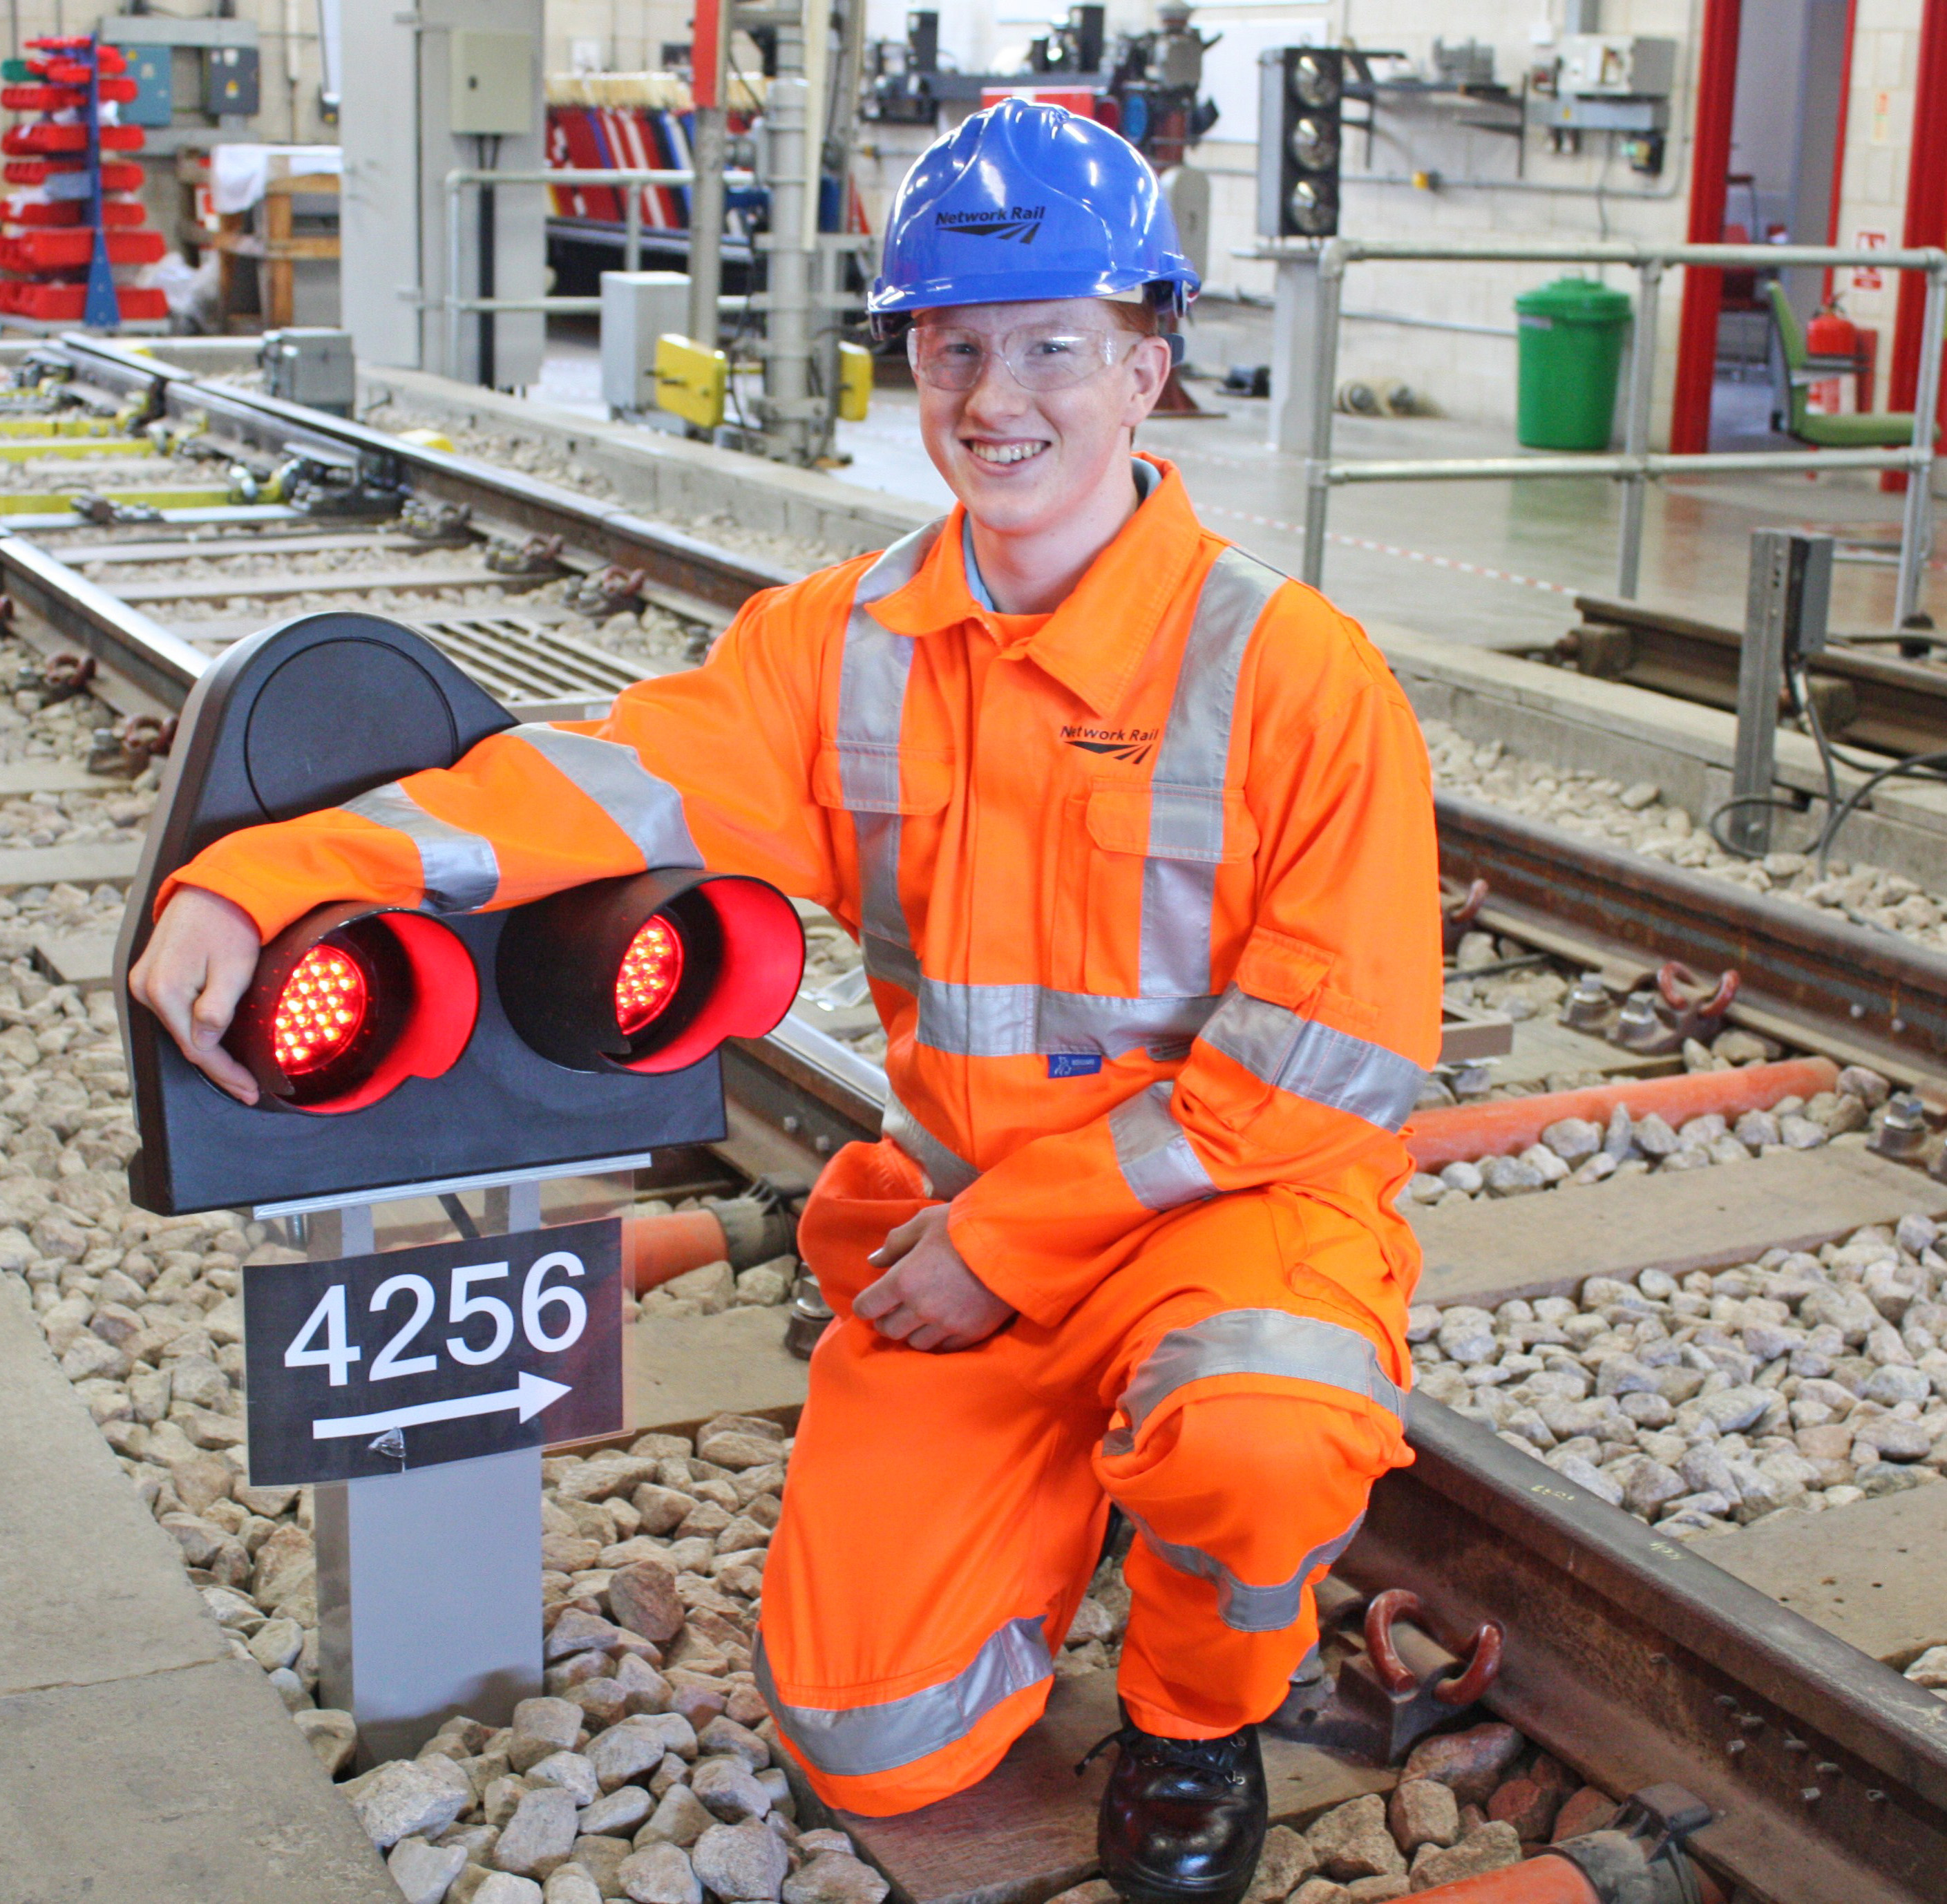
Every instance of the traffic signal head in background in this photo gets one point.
(1301, 96)
(391, 1047)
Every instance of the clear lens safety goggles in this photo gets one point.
(1039, 356)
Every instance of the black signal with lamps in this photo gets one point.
(391, 1047)
(1301, 99)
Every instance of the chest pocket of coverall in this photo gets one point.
(877, 785)
(1136, 865)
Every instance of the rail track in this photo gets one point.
(1889, 693)
(1629, 1657)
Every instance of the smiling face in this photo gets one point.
(1026, 461)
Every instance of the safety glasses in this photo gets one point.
(1039, 356)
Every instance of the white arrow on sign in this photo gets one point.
(535, 1393)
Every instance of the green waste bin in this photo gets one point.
(1570, 335)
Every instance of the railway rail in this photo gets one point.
(1889, 693)
(1630, 1657)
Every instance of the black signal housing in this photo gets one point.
(1301, 135)
(305, 715)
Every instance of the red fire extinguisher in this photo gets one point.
(1830, 333)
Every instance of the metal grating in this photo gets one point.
(518, 660)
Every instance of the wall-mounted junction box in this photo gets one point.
(492, 75)
(1617, 66)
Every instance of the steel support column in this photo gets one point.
(428, 1581)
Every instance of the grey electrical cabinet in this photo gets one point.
(492, 83)
(311, 366)
(637, 308)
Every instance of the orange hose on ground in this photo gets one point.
(655, 1248)
(1535, 1880)
(1499, 1125)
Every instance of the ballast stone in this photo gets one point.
(538, 1835)
(743, 1864)
(1351, 1841)
(1489, 1847)
(402, 1798)
(836, 1877)
(660, 1874)
(424, 1872)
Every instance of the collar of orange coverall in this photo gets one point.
(1094, 642)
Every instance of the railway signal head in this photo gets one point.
(648, 974)
(348, 1003)
(1301, 97)
(391, 1047)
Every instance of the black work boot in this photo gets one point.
(1183, 1819)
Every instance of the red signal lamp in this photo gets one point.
(649, 974)
(348, 1003)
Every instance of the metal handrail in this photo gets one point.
(463, 177)
(1637, 465)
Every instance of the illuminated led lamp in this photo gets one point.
(650, 977)
(419, 995)
(739, 955)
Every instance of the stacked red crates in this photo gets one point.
(47, 239)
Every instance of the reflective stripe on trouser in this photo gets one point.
(945, 1511)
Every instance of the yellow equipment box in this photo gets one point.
(855, 382)
(691, 381)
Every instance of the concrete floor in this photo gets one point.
(1487, 563)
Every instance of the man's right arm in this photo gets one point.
(711, 767)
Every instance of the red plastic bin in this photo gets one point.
(46, 137)
(67, 304)
(73, 249)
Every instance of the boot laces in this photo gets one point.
(1215, 1757)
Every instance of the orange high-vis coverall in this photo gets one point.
(1147, 894)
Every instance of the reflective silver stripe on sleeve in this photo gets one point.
(1313, 1061)
(648, 809)
(1242, 1607)
(1024, 1021)
(1185, 838)
(948, 1172)
(459, 872)
(872, 678)
(855, 1742)
(1259, 1342)
(1153, 1152)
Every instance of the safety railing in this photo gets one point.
(464, 178)
(1636, 465)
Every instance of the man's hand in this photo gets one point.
(928, 1299)
(199, 962)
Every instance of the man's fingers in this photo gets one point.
(224, 983)
(898, 1243)
(900, 1325)
(876, 1299)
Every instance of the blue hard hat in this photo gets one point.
(1023, 202)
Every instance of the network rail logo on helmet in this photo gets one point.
(1022, 223)
(1078, 209)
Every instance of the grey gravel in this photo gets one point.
(1798, 1383)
